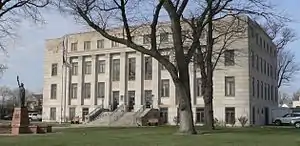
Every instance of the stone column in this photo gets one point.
(80, 80)
(139, 80)
(156, 83)
(107, 96)
(94, 80)
(123, 78)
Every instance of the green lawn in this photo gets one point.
(162, 136)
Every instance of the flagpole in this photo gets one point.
(66, 69)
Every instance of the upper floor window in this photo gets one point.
(229, 86)
(101, 90)
(101, 66)
(87, 67)
(116, 70)
(198, 87)
(114, 44)
(252, 59)
(53, 89)
(165, 88)
(131, 71)
(148, 68)
(87, 90)
(73, 93)
(164, 37)
(229, 57)
(87, 45)
(54, 69)
(100, 43)
(74, 68)
(146, 39)
(257, 63)
(74, 46)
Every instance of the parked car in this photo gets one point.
(296, 123)
(286, 119)
(7, 117)
(76, 120)
(35, 117)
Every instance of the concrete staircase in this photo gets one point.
(125, 120)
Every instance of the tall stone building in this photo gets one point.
(103, 73)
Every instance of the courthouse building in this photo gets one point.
(100, 73)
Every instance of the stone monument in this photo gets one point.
(20, 120)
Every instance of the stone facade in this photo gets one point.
(86, 51)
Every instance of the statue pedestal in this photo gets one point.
(20, 121)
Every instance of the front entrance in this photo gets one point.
(115, 101)
(148, 98)
(85, 112)
(266, 116)
(131, 100)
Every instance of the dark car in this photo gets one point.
(7, 117)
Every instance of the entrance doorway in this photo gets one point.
(131, 101)
(116, 99)
(85, 112)
(266, 116)
(148, 98)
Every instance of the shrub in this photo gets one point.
(243, 120)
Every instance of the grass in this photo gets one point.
(161, 136)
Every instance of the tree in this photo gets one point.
(282, 36)
(103, 16)
(12, 12)
(5, 94)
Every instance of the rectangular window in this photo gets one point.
(73, 93)
(198, 87)
(261, 65)
(252, 59)
(229, 86)
(101, 66)
(72, 113)
(257, 88)
(101, 90)
(74, 68)
(100, 43)
(265, 67)
(131, 70)
(257, 63)
(87, 45)
(146, 39)
(269, 92)
(229, 57)
(164, 37)
(256, 38)
(114, 44)
(200, 115)
(272, 92)
(116, 70)
(230, 115)
(74, 47)
(253, 87)
(53, 113)
(268, 69)
(147, 99)
(87, 67)
(266, 91)
(260, 41)
(165, 88)
(53, 91)
(271, 71)
(148, 68)
(262, 90)
(54, 69)
(87, 90)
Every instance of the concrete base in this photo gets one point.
(20, 121)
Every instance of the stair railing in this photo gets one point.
(117, 114)
(137, 114)
(94, 114)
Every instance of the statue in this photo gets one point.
(21, 92)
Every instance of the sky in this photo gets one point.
(25, 56)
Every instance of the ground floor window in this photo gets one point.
(164, 115)
(230, 115)
(52, 113)
(71, 113)
(253, 115)
(199, 115)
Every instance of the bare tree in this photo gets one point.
(282, 36)
(5, 95)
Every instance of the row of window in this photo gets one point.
(164, 37)
(263, 66)
(263, 90)
(229, 114)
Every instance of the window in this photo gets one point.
(230, 115)
(265, 67)
(116, 95)
(261, 65)
(53, 113)
(229, 57)
(164, 115)
(198, 87)
(148, 99)
(74, 46)
(257, 88)
(101, 90)
(257, 63)
(260, 41)
(252, 59)
(262, 90)
(72, 113)
(269, 92)
(167, 57)
(276, 94)
(253, 115)
(114, 44)
(116, 70)
(131, 71)
(101, 66)
(200, 115)
(87, 67)
(87, 45)
(100, 43)
(268, 69)
(148, 68)
(253, 87)
(53, 91)
(165, 88)
(73, 93)
(266, 90)
(271, 71)
(54, 69)
(229, 86)
(272, 92)
(164, 37)
(87, 90)
(85, 112)
(265, 44)
(74, 68)
(146, 39)
(256, 38)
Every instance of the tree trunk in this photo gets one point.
(208, 108)
(185, 109)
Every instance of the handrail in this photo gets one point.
(135, 118)
(93, 115)
(115, 114)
